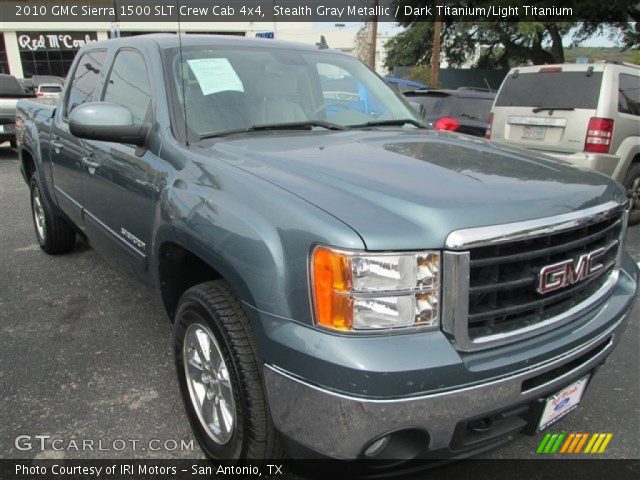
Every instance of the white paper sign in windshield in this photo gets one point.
(215, 75)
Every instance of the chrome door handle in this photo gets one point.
(57, 145)
(89, 164)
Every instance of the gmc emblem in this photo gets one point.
(568, 272)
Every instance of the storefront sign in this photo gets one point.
(40, 41)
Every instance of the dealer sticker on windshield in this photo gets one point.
(558, 405)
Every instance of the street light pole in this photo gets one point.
(374, 36)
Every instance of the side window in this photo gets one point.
(629, 94)
(128, 84)
(86, 78)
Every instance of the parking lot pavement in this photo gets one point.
(86, 353)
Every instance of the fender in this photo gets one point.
(627, 151)
(32, 144)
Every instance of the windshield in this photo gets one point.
(234, 88)
(551, 89)
(10, 86)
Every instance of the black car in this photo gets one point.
(465, 110)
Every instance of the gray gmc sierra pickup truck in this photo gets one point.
(342, 281)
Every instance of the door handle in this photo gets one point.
(91, 166)
(57, 145)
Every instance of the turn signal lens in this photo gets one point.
(331, 282)
(360, 291)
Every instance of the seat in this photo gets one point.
(274, 106)
(226, 110)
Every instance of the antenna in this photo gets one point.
(184, 98)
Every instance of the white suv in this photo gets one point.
(585, 113)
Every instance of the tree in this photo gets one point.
(362, 44)
(504, 44)
(410, 47)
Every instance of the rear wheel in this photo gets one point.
(220, 375)
(632, 184)
(53, 233)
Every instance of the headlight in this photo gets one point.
(362, 291)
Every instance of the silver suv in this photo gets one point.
(587, 114)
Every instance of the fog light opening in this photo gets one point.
(376, 447)
(401, 445)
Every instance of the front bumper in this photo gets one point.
(340, 425)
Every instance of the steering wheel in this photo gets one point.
(326, 106)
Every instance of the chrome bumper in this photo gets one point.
(342, 426)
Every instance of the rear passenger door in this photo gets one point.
(119, 181)
(67, 150)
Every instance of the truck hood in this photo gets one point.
(408, 189)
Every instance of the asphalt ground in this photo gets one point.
(86, 354)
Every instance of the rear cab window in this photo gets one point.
(578, 90)
(86, 79)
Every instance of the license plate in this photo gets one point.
(533, 133)
(558, 405)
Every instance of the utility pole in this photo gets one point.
(374, 36)
(435, 54)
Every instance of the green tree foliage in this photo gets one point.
(410, 47)
(504, 44)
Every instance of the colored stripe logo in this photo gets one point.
(573, 443)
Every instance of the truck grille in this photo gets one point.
(504, 277)
(492, 275)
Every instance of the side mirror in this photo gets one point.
(108, 122)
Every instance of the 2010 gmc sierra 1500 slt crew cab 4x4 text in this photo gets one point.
(342, 281)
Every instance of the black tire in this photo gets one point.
(57, 236)
(214, 305)
(632, 185)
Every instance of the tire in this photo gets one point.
(210, 310)
(53, 233)
(632, 185)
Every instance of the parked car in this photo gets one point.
(10, 92)
(465, 110)
(587, 114)
(31, 84)
(339, 285)
(401, 85)
(48, 90)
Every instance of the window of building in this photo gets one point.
(128, 84)
(4, 62)
(50, 53)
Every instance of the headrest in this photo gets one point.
(278, 82)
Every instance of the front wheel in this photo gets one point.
(220, 375)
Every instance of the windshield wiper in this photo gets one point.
(384, 123)
(542, 109)
(304, 125)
